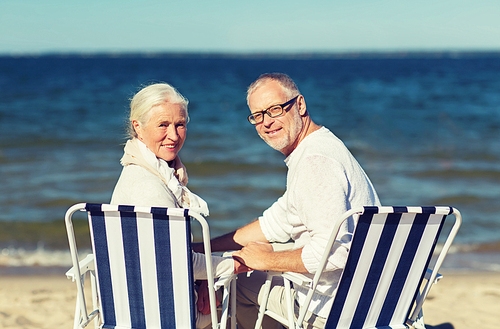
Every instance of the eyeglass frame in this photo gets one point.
(266, 111)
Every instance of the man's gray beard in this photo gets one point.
(287, 140)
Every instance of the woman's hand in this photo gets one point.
(239, 266)
(203, 302)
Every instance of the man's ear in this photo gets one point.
(302, 105)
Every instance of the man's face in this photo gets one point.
(282, 132)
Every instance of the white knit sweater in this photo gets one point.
(139, 186)
(323, 181)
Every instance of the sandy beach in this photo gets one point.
(460, 301)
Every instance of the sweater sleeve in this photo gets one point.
(321, 195)
(221, 266)
(273, 221)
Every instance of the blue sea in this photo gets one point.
(424, 126)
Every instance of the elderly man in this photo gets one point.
(323, 181)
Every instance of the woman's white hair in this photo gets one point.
(149, 97)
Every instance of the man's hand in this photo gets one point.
(255, 255)
(233, 240)
(261, 256)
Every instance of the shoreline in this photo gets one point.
(42, 261)
(41, 299)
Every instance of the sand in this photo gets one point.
(459, 301)
(45, 301)
(466, 301)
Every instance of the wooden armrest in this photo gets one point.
(303, 280)
(86, 264)
(224, 281)
(297, 278)
(428, 274)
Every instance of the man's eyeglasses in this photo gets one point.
(273, 111)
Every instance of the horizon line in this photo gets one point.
(352, 54)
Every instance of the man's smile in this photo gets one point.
(273, 132)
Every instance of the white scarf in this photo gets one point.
(137, 153)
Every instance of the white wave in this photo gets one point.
(20, 257)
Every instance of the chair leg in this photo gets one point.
(263, 305)
(289, 303)
(228, 296)
(77, 318)
(78, 311)
(225, 303)
(419, 323)
(232, 293)
(95, 302)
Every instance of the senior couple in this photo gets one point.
(323, 181)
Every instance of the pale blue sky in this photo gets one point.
(40, 26)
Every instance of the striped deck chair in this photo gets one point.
(141, 268)
(390, 253)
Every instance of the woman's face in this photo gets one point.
(165, 132)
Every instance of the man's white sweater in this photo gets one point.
(323, 181)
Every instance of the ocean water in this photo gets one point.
(425, 127)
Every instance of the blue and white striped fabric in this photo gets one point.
(144, 266)
(390, 251)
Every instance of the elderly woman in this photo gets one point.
(153, 174)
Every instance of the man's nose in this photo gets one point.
(267, 119)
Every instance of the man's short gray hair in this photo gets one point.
(284, 80)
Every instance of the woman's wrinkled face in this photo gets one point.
(165, 131)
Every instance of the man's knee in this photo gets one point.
(249, 295)
(248, 287)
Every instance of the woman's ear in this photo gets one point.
(137, 128)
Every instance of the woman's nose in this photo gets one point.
(172, 133)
